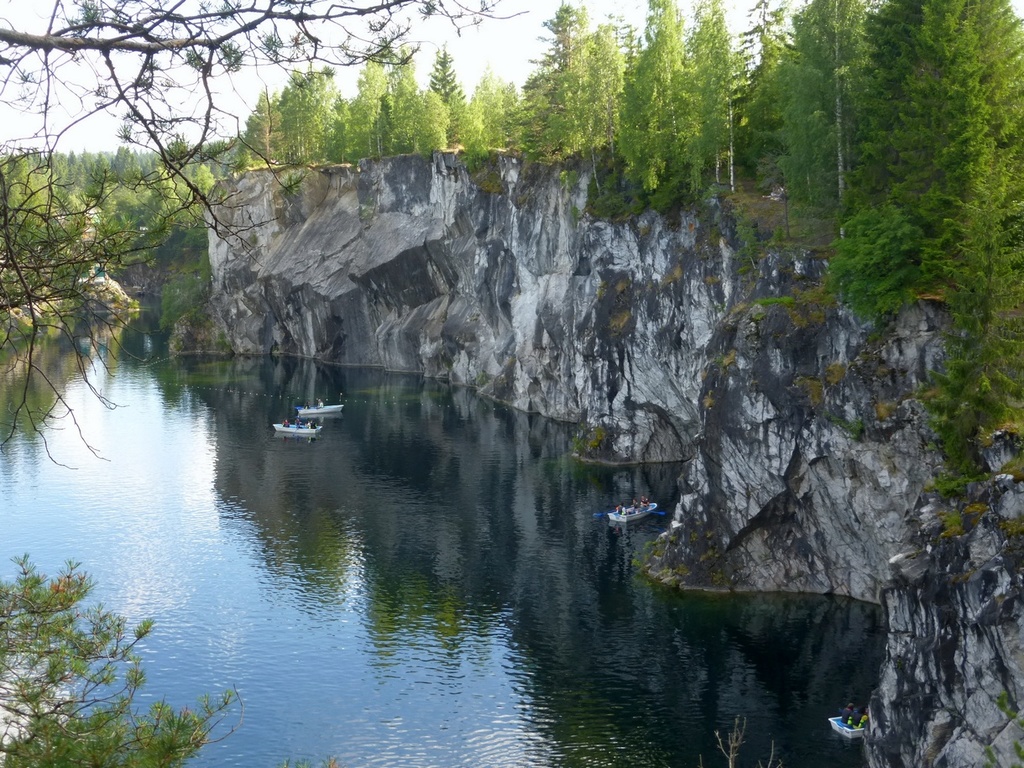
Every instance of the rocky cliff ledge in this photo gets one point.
(807, 457)
(955, 617)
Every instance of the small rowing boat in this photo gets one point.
(847, 731)
(297, 430)
(629, 514)
(318, 410)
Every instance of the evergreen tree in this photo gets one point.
(942, 102)
(71, 675)
(551, 122)
(981, 388)
(759, 100)
(942, 147)
(445, 84)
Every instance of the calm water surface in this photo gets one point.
(425, 585)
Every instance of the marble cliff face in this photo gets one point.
(806, 455)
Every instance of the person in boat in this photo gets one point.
(644, 502)
(847, 714)
(860, 718)
(319, 403)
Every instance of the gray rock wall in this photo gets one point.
(806, 455)
(955, 619)
(804, 449)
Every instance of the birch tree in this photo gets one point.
(710, 93)
(307, 116)
(822, 73)
(600, 92)
(653, 121)
(365, 112)
(492, 116)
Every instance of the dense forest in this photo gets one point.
(898, 123)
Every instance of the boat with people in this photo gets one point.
(319, 409)
(622, 514)
(297, 428)
(846, 730)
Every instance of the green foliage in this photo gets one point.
(952, 486)
(185, 294)
(261, 140)
(876, 265)
(761, 95)
(491, 117)
(402, 112)
(71, 674)
(610, 195)
(68, 216)
(652, 120)
(771, 301)
(1003, 702)
(709, 92)
(365, 131)
(554, 110)
(306, 108)
(445, 84)
(982, 386)
(821, 75)
(952, 523)
(855, 428)
(812, 387)
(1012, 528)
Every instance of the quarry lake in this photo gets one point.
(426, 584)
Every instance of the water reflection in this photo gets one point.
(426, 583)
